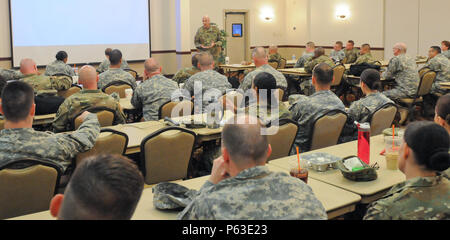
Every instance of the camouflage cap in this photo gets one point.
(171, 196)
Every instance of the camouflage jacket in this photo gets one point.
(275, 58)
(47, 85)
(446, 54)
(361, 110)
(303, 59)
(441, 65)
(184, 74)
(248, 80)
(403, 69)
(416, 199)
(210, 84)
(206, 37)
(366, 58)
(9, 74)
(313, 62)
(255, 194)
(264, 112)
(59, 67)
(116, 75)
(80, 102)
(152, 94)
(307, 109)
(337, 56)
(20, 144)
(104, 66)
(351, 55)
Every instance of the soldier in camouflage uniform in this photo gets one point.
(40, 83)
(308, 54)
(351, 53)
(274, 56)
(185, 73)
(209, 39)
(261, 62)
(115, 74)
(364, 55)
(213, 84)
(403, 69)
(445, 49)
(154, 92)
(262, 108)
(441, 65)
(104, 66)
(252, 191)
(426, 194)
(9, 74)
(59, 66)
(319, 57)
(307, 109)
(22, 142)
(338, 54)
(89, 97)
(361, 110)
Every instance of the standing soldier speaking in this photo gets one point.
(209, 39)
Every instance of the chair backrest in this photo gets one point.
(382, 118)
(132, 72)
(234, 96)
(2, 124)
(283, 140)
(166, 109)
(166, 155)
(105, 117)
(274, 64)
(327, 129)
(280, 94)
(109, 142)
(69, 92)
(426, 83)
(423, 71)
(338, 75)
(119, 89)
(27, 190)
(283, 63)
(344, 61)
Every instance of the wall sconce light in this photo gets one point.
(267, 14)
(342, 12)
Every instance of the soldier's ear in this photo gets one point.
(226, 156)
(55, 205)
(33, 110)
(98, 77)
(1, 107)
(269, 151)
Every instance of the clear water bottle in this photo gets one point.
(364, 142)
(294, 57)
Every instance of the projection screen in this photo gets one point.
(82, 28)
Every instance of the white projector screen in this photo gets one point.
(82, 28)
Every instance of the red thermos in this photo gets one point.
(364, 142)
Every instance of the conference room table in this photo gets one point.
(138, 131)
(369, 191)
(240, 67)
(446, 85)
(336, 201)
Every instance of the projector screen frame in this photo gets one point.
(85, 63)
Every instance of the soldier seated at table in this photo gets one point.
(441, 65)
(104, 66)
(445, 49)
(115, 73)
(307, 109)
(10, 74)
(442, 118)
(154, 92)
(338, 54)
(364, 55)
(425, 194)
(241, 186)
(274, 56)
(59, 66)
(261, 60)
(184, 74)
(403, 69)
(45, 87)
(18, 141)
(351, 53)
(87, 98)
(105, 187)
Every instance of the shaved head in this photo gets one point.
(401, 47)
(28, 66)
(319, 52)
(88, 77)
(151, 65)
(273, 49)
(206, 21)
(259, 53)
(244, 141)
(205, 61)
